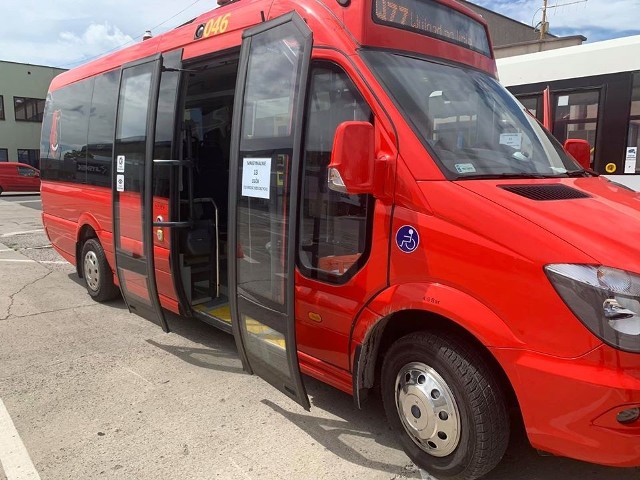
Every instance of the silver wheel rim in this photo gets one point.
(427, 409)
(91, 270)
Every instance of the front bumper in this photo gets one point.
(570, 406)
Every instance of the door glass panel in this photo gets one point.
(130, 151)
(265, 213)
(576, 116)
(266, 150)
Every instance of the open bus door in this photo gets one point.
(263, 210)
(132, 192)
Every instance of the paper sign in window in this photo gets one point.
(256, 177)
(513, 140)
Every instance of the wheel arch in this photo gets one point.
(425, 307)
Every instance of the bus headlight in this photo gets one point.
(606, 300)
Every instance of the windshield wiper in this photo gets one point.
(497, 176)
(581, 173)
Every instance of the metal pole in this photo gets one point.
(544, 20)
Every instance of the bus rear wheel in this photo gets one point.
(443, 400)
(96, 272)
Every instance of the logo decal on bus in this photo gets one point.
(54, 133)
(407, 238)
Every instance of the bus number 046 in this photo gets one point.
(216, 26)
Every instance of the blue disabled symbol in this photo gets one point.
(407, 238)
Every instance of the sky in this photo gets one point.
(67, 33)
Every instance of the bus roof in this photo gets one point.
(589, 59)
(334, 25)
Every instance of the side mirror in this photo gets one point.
(580, 150)
(37, 174)
(352, 159)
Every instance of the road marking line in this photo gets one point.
(11, 234)
(7, 250)
(29, 201)
(14, 457)
(57, 262)
(15, 260)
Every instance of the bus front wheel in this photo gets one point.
(443, 400)
(96, 272)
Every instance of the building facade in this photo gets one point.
(23, 90)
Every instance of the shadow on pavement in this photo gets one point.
(218, 351)
(521, 461)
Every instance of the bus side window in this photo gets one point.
(334, 226)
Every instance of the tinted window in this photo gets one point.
(64, 137)
(333, 227)
(1, 108)
(102, 122)
(4, 155)
(165, 122)
(131, 134)
(26, 172)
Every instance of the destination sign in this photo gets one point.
(431, 18)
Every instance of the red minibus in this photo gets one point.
(346, 187)
(18, 177)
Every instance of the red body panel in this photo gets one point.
(481, 250)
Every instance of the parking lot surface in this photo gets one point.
(96, 392)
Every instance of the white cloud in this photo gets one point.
(94, 41)
(66, 31)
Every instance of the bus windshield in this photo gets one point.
(474, 127)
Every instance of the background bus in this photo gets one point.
(595, 96)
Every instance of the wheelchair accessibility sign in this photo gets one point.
(407, 239)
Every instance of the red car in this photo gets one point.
(19, 177)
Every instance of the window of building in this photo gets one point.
(334, 227)
(28, 109)
(29, 156)
(576, 116)
(1, 108)
(4, 155)
(634, 120)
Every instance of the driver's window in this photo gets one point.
(333, 226)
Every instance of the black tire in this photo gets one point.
(97, 274)
(464, 433)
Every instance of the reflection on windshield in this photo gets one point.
(473, 125)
